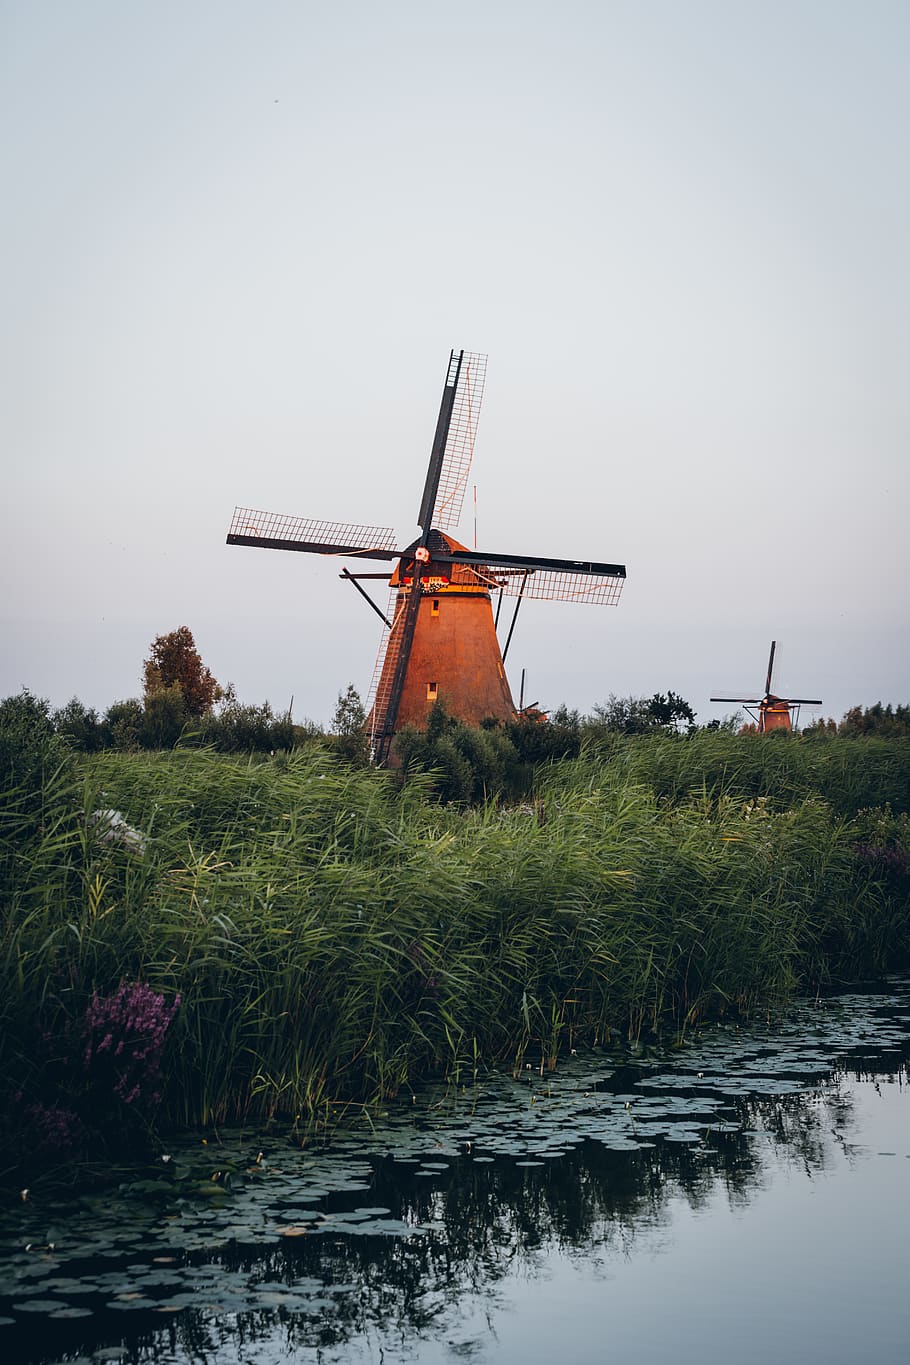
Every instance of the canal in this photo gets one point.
(742, 1194)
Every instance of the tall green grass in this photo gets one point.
(849, 774)
(333, 937)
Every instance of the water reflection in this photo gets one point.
(388, 1244)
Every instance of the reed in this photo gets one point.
(849, 774)
(332, 936)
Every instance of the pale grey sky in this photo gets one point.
(239, 241)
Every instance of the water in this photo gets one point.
(744, 1196)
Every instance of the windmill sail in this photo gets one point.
(770, 668)
(459, 447)
(272, 531)
(563, 580)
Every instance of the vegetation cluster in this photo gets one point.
(177, 707)
(189, 936)
(878, 721)
(183, 706)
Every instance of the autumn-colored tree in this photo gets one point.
(174, 658)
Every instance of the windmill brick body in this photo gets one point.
(440, 642)
(455, 656)
(772, 712)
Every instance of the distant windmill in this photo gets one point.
(441, 641)
(774, 713)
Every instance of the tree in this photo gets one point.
(644, 715)
(31, 754)
(163, 718)
(884, 722)
(79, 725)
(670, 712)
(121, 723)
(726, 725)
(174, 659)
(821, 728)
(349, 735)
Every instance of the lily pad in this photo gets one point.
(39, 1305)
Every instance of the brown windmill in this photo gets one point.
(773, 713)
(440, 643)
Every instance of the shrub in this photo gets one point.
(541, 741)
(163, 718)
(80, 726)
(466, 764)
(239, 729)
(35, 772)
(121, 725)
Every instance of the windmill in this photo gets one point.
(774, 713)
(440, 641)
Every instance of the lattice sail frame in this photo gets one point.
(337, 537)
(459, 450)
(537, 581)
(547, 584)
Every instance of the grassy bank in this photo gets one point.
(331, 937)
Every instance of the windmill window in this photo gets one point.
(432, 691)
(434, 610)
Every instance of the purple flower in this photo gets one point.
(881, 860)
(129, 1028)
(53, 1129)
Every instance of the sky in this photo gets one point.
(239, 242)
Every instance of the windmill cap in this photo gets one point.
(436, 542)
